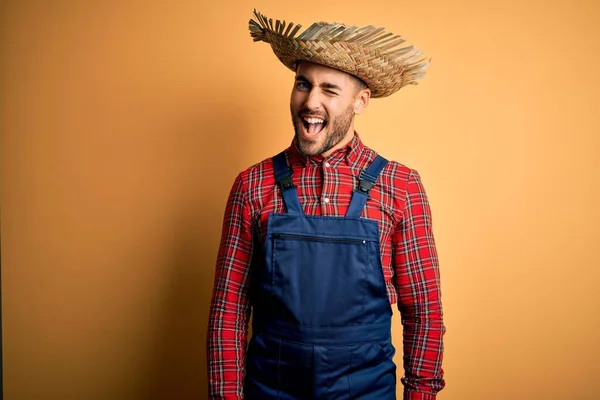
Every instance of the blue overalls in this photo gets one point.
(322, 317)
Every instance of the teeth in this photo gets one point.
(314, 120)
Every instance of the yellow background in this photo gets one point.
(125, 123)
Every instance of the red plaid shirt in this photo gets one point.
(410, 264)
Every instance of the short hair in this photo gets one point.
(360, 84)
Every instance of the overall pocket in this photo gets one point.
(373, 371)
(320, 281)
(277, 369)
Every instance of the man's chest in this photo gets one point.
(327, 191)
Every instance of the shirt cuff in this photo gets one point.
(412, 395)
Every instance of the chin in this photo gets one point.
(308, 147)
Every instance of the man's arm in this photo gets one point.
(230, 308)
(419, 296)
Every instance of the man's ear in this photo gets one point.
(362, 100)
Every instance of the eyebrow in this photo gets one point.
(326, 85)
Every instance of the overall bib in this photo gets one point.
(322, 317)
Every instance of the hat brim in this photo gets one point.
(369, 53)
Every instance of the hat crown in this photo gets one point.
(369, 53)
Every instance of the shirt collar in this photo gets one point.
(349, 153)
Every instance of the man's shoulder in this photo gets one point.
(399, 168)
(260, 166)
(258, 172)
(394, 168)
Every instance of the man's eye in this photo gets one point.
(302, 85)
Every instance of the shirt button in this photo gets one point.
(327, 165)
(326, 199)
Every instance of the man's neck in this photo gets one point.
(347, 139)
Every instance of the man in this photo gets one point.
(319, 241)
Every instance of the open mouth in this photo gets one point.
(313, 125)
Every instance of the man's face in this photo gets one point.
(323, 104)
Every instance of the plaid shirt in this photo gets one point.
(410, 264)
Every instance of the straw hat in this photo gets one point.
(368, 53)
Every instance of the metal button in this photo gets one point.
(326, 199)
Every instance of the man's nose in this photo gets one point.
(313, 101)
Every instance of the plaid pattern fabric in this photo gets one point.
(409, 258)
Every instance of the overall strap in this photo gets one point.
(366, 181)
(283, 177)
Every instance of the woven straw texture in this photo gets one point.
(369, 53)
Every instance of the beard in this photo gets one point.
(337, 128)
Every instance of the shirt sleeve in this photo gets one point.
(417, 281)
(230, 307)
